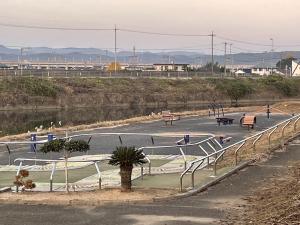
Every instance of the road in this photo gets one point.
(205, 208)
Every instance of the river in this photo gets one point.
(21, 121)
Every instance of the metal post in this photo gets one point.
(18, 172)
(269, 136)
(51, 176)
(9, 158)
(268, 111)
(236, 152)
(99, 174)
(142, 172)
(295, 125)
(282, 133)
(115, 68)
(255, 141)
(212, 53)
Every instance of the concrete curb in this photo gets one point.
(207, 185)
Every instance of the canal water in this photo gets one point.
(21, 121)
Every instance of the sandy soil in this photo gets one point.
(85, 198)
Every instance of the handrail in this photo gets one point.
(176, 146)
(241, 143)
(54, 162)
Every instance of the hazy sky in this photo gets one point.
(247, 20)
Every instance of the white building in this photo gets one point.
(295, 69)
(171, 67)
(264, 71)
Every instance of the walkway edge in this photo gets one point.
(207, 185)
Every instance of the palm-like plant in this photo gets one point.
(126, 158)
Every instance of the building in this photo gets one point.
(171, 67)
(264, 71)
(295, 69)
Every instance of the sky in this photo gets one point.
(255, 21)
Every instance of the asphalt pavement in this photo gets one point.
(187, 125)
(204, 208)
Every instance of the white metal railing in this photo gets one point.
(54, 163)
(239, 145)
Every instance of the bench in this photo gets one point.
(224, 120)
(248, 121)
(169, 117)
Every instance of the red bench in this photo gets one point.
(169, 117)
(248, 121)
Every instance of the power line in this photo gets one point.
(53, 28)
(243, 42)
(164, 34)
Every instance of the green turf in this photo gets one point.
(7, 178)
(173, 180)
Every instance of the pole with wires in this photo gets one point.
(212, 53)
(225, 59)
(115, 66)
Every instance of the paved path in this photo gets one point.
(205, 208)
(100, 145)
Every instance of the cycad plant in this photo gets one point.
(126, 158)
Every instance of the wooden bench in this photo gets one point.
(224, 120)
(248, 121)
(169, 117)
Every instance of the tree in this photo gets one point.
(234, 89)
(126, 157)
(283, 63)
(67, 147)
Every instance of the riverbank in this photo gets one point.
(291, 107)
(61, 93)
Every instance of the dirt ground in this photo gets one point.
(276, 202)
(85, 198)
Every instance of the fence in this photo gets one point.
(238, 146)
(103, 74)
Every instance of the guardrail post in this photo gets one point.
(269, 137)
(181, 184)
(51, 176)
(255, 141)
(51, 185)
(282, 133)
(236, 152)
(100, 183)
(142, 172)
(9, 157)
(99, 174)
(295, 125)
(150, 168)
(193, 180)
(18, 172)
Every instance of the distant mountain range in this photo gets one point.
(98, 55)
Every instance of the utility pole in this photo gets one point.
(115, 49)
(272, 51)
(231, 60)
(212, 53)
(134, 58)
(225, 58)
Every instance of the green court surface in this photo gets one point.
(7, 177)
(172, 181)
